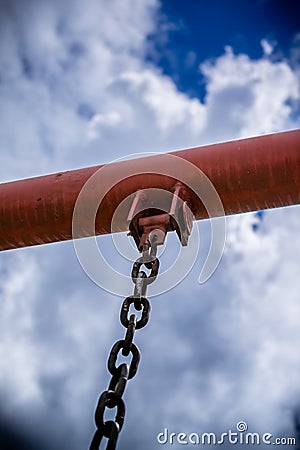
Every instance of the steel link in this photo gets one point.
(129, 334)
(145, 312)
(140, 286)
(118, 383)
(111, 364)
(112, 437)
(104, 402)
(153, 265)
(149, 249)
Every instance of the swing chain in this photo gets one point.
(112, 397)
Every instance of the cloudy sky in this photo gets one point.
(84, 83)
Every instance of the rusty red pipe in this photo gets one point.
(248, 174)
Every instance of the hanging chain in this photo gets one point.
(112, 397)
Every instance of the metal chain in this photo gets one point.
(112, 397)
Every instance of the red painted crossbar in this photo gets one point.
(248, 174)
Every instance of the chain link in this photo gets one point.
(112, 398)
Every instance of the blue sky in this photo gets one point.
(81, 86)
(199, 32)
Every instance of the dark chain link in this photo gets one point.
(112, 398)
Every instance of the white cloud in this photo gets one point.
(250, 96)
(64, 59)
(265, 308)
(267, 47)
(17, 319)
(111, 119)
(170, 108)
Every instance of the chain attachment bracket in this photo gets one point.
(148, 225)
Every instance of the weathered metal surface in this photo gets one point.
(248, 174)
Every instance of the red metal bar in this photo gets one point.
(249, 174)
